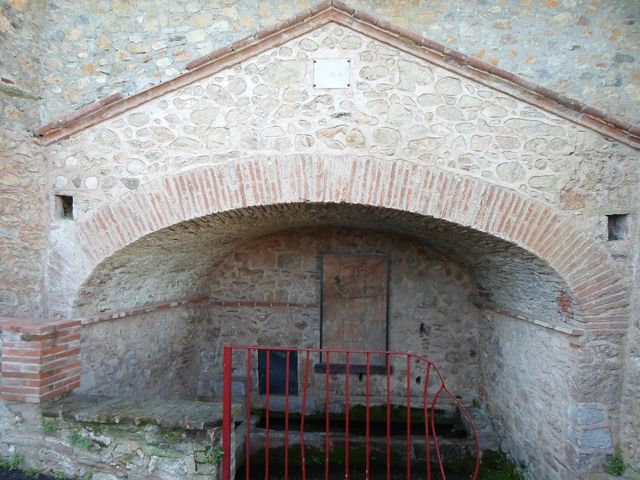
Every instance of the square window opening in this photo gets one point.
(63, 207)
(619, 226)
(277, 372)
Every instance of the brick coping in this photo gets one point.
(34, 325)
(338, 12)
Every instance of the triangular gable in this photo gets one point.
(376, 29)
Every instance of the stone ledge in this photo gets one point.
(567, 330)
(175, 414)
(141, 310)
(77, 449)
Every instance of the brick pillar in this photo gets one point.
(38, 361)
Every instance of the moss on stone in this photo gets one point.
(377, 414)
(497, 466)
(171, 436)
(316, 456)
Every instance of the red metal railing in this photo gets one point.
(383, 375)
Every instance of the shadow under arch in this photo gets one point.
(176, 262)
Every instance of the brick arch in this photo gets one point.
(599, 292)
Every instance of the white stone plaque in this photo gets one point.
(331, 73)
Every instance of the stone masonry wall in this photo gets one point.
(431, 313)
(146, 355)
(525, 375)
(396, 107)
(23, 219)
(630, 404)
(583, 48)
(631, 399)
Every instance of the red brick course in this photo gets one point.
(39, 361)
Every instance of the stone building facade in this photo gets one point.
(141, 232)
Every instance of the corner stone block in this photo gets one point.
(582, 415)
(586, 461)
(596, 438)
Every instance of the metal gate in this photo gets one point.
(386, 387)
